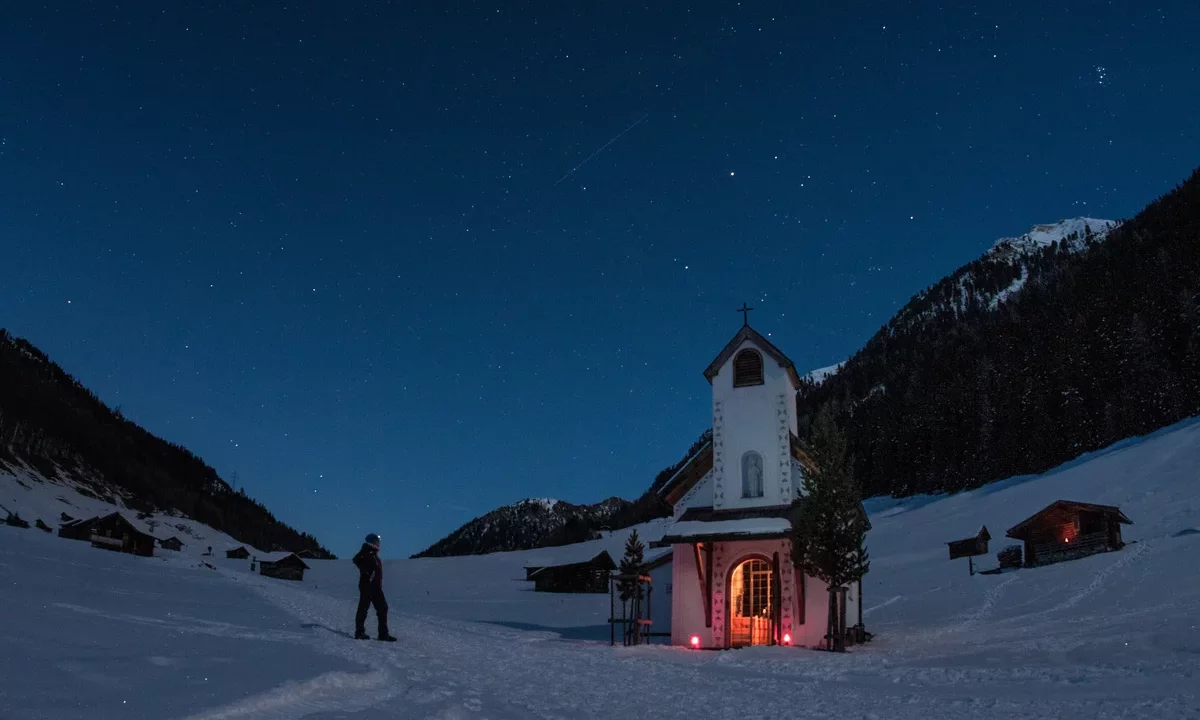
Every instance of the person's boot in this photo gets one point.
(361, 635)
(385, 636)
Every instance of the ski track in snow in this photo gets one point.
(889, 601)
(1122, 561)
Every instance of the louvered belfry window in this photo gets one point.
(747, 368)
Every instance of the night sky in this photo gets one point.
(394, 265)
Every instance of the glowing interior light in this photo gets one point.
(695, 641)
(787, 638)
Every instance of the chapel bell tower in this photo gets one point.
(754, 418)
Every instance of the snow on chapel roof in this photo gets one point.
(691, 531)
(749, 333)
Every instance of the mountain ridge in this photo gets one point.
(53, 424)
(988, 285)
(1062, 341)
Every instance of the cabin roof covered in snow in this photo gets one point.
(749, 333)
(275, 557)
(129, 520)
(1019, 531)
(601, 559)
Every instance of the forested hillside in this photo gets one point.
(53, 423)
(548, 523)
(1024, 360)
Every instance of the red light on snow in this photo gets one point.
(787, 638)
(696, 641)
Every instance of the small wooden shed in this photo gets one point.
(80, 529)
(589, 576)
(238, 553)
(1067, 530)
(282, 565)
(117, 532)
(171, 543)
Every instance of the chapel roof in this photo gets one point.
(688, 474)
(749, 333)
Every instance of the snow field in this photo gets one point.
(1112, 636)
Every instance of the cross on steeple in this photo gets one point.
(745, 311)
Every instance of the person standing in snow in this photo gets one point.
(370, 590)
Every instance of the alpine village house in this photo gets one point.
(733, 580)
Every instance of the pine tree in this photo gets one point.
(829, 525)
(631, 565)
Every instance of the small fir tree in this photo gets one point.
(829, 524)
(631, 565)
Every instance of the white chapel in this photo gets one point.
(733, 581)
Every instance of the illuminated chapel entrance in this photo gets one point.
(750, 612)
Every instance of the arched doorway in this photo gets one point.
(751, 611)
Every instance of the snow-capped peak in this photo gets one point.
(819, 375)
(547, 503)
(1040, 236)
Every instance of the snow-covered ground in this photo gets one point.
(90, 633)
(26, 492)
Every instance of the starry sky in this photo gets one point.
(388, 266)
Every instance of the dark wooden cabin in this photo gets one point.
(238, 553)
(15, 520)
(590, 576)
(80, 529)
(530, 570)
(285, 566)
(1067, 530)
(115, 532)
(171, 543)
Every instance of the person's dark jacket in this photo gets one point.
(370, 569)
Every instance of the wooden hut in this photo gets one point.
(1067, 530)
(116, 532)
(238, 553)
(80, 529)
(589, 576)
(171, 543)
(530, 570)
(282, 565)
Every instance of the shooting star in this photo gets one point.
(601, 149)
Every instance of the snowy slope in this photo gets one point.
(29, 494)
(1114, 636)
